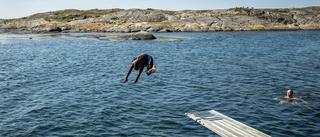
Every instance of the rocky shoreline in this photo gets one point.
(153, 20)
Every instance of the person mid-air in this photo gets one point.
(143, 60)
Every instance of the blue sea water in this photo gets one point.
(74, 87)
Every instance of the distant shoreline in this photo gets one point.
(158, 21)
(239, 31)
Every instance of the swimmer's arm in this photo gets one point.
(280, 97)
(130, 69)
(301, 100)
(140, 71)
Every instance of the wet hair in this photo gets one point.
(291, 90)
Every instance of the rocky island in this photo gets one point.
(154, 20)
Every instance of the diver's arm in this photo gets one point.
(280, 97)
(130, 69)
(140, 71)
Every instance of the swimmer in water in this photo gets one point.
(143, 60)
(290, 97)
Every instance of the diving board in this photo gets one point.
(223, 125)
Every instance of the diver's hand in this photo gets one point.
(126, 80)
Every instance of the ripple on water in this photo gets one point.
(73, 87)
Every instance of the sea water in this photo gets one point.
(74, 87)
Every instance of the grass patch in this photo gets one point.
(241, 9)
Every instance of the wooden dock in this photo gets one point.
(223, 125)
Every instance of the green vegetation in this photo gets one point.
(241, 9)
(158, 15)
(280, 10)
(309, 8)
(73, 14)
(203, 11)
(168, 12)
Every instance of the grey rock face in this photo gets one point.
(137, 36)
(152, 20)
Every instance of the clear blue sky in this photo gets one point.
(22, 8)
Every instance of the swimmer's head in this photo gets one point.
(152, 70)
(290, 93)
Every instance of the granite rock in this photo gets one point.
(153, 20)
(137, 36)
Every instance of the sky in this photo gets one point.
(21, 8)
